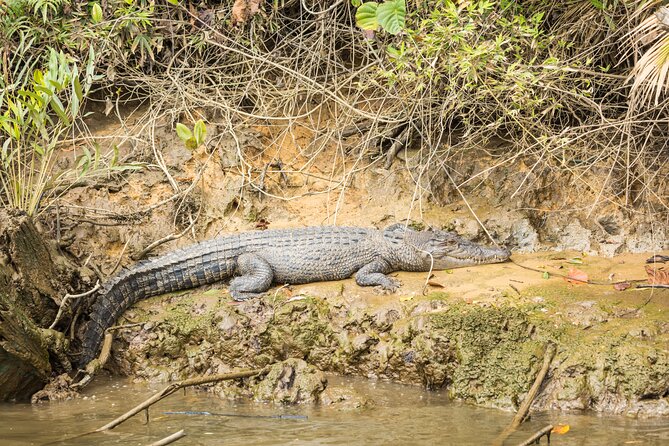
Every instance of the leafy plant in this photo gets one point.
(33, 122)
(389, 15)
(193, 139)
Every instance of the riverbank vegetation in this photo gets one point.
(575, 87)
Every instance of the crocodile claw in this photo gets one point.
(389, 287)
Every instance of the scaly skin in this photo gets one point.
(255, 260)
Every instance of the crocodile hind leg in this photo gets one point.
(255, 277)
(374, 274)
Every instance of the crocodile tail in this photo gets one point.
(197, 265)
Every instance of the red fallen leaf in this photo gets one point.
(576, 276)
(435, 284)
(657, 275)
(621, 286)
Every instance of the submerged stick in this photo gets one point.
(537, 435)
(173, 388)
(524, 408)
(169, 439)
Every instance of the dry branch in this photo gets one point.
(524, 408)
(540, 433)
(169, 439)
(170, 389)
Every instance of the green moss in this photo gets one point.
(496, 349)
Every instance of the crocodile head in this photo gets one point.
(449, 250)
(445, 250)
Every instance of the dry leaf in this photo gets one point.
(435, 284)
(406, 298)
(560, 429)
(243, 10)
(657, 275)
(621, 286)
(576, 276)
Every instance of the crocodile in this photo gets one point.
(257, 259)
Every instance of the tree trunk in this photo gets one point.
(32, 278)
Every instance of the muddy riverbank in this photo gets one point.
(481, 338)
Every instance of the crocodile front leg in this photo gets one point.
(374, 274)
(255, 277)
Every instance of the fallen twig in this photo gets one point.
(524, 408)
(99, 362)
(169, 439)
(170, 389)
(652, 286)
(537, 435)
(167, 238)
(399, 144)
(72, 296)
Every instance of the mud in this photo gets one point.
(483, 342)
(478, 332)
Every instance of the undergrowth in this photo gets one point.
(567, 88)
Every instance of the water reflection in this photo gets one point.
(400, 416)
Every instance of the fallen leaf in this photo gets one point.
(576, 276)
(545, 275)
(576, 261)
(406, 298)
(560, 429)
(621, 286)
(434, 284)
(243, 10)
(657, 275)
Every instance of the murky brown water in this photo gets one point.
(402, 416)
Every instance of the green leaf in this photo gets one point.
(183, 132)
(545, 275)
(365, 16)
(200, 132)
(96, 13)
(38, 77)
(173, 2)
(60, 110)
(391, 15)
(354, 3)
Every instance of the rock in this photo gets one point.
(575, 237)
(292, 381)
(525, 236)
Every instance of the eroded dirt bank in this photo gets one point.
(482, 337)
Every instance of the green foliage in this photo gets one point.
(484, 61)
(33, 122)
(193, 139)
(389, 15)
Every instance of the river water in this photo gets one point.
(401, 415)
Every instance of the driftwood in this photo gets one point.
(538, 434)
(169, 439)
(524, 408)
(167, 391)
